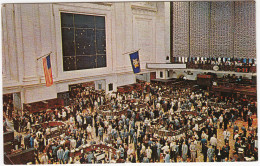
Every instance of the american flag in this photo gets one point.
(47, 70)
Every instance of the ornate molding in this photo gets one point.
(96, 5)
(104, 3)
(144, 8)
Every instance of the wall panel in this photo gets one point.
(222, 26)
(245, 30)
(29, 44)
(144, 38)
(199, 29)
(11, 56)
(180, 29)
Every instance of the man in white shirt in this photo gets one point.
(73, 143)
(193, 150)
(214, 141)
(236, 135)
(220, 121)
(64, 114)
(226, 134)
(62, 141)
(165, 148)
(71, 120)
(148, 153)
(89, 131)
(204, 135)
(59, 115)
(44, 159)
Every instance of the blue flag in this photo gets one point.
(134, 57)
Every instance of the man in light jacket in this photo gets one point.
(214, 141)
(210, 153)
(184, 151)
(66, 155)
(60, 155)
(193, 150)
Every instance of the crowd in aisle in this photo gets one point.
(160, 123)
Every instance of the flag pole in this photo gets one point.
(131, 51)
(44, 56)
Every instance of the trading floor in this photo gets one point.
(156, 123)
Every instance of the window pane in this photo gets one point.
(110, 86)
(81, 42)
(100, 22)
(66, 20)
(101, 61)
(90, 40)
(84, 21)
(68, 42)
(86, 62)
(101, 41)
(69, 63)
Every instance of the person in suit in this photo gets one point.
(204, 151)
(226, 134)
(73, 143)
(175, 151)
(60, 155)
(250, 121)
(121, 149)
(89, 158)
(225, 151)
(243, 128)
(78, 143)
(184, 151)
(193, 150)
(89, 131)
(32, 141)
(213, 141)
(154, 152)
(149, 153)
(132, 159)
(50, 156)
(44, 159)
(235, 129)
(221, 121)
(100, 132)
(138, 151)
(66, 155)
(19, 139)
(82, 159)
(203, 142)
(219, 154)
(54, 152)
(225, 122)
(167, 157)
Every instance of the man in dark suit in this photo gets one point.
(204, 151)
(27, 140)
(235, 129)
(219, 154)
(66, 155)
(19, 139)
(132, 159)
(138, 149)
(154, 152)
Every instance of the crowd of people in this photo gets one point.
(161, 123)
